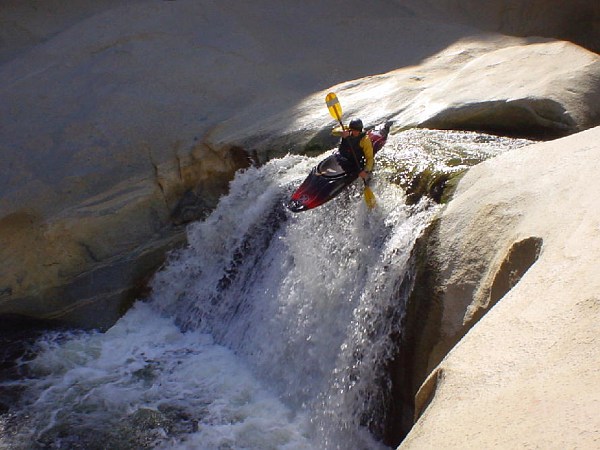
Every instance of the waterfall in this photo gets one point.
(308, 301)
(269, 330)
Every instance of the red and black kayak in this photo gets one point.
(328, 179)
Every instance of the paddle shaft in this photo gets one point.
(335, 110)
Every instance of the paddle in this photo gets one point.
(335, 109)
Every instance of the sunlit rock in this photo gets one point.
(510, 348)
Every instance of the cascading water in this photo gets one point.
(269, 331)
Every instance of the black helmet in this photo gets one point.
(356, 124)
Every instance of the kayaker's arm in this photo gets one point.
(367, 148)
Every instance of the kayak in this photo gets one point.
(327, 179)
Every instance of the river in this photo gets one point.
(270, 330)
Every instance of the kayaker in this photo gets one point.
(355, 153)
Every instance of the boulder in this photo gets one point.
(514, 360)
(542, 89)
(520, 87)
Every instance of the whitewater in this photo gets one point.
(269, 330)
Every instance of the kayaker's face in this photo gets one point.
(350, 132)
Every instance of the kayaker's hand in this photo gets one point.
(365, 176)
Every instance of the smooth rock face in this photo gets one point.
(521, 233)
(122, 122)
(545, 88)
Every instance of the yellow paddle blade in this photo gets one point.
(334, 107)
(370, 197)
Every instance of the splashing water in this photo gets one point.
(269, 331)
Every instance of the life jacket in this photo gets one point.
(353, 154)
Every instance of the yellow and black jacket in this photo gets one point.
(355, 153)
